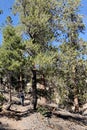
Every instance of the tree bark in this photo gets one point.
(43, 99)
(20, 80)
(76, 103)
(34, 88)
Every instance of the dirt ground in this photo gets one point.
(24, 118)
(38, 122)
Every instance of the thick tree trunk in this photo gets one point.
(43, 99)
(34, 88)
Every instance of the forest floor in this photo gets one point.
(24, 118)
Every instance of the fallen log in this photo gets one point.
(70, 116)
(64, 114)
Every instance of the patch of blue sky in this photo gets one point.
(6, 6)
(83, 12)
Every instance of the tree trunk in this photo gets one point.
(34, 88)
(10, 95)
(20, 81)
(76, 102)
(43, 99)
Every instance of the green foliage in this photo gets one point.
(39, 21)
(11, 50)
(72, 21)
(42, 22)
(38, 18)
(2, 98)
(73, 70)
(42, 110)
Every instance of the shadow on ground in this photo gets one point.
(4, 126)
(17, 115)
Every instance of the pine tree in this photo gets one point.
(39, 21)
(72, 60)
(11, 53)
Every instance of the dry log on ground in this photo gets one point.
(62, 113)
(66, 114)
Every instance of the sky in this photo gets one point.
(83, 11)
(5, 5)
